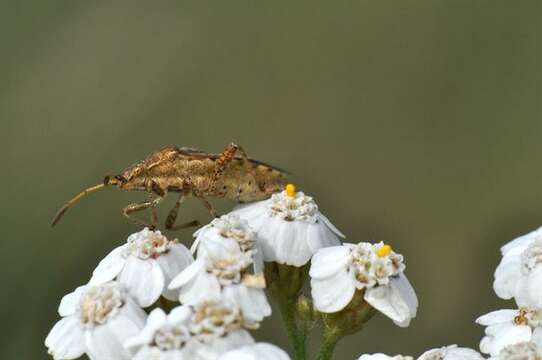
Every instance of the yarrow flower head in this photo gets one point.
(289, 227)
(509, 327)
(96, 320)
(451, 352)
(145, 264)
(519, 273)
(373, 270)
(230, 226)
(164, 336)
(224, 270)
(203, 332)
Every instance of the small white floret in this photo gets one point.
(289, 227)
(224, 270)
(96, 321)
(230, 226)
(509, 327)
(144, 265)
(338, 272)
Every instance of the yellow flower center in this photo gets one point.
(290, 190)
(383, 251)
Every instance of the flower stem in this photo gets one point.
(296, 335)
(348, 321)
(284, 284)
(331, 337)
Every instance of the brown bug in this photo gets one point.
(193, 172)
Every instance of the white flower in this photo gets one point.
(338, 272)
(144, 265)
(451, 352)
(96, 320)
(508, 327)
(289, 227)
(164, 337)
(522, 241)
(380, 356)
(519, 273)
(232, 227)
(521, 351)
(221, 271)
(203, 332)
(258, 351)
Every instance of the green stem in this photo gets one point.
(331, 337)
(284, 285)
(296, 335)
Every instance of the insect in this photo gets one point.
(190, 172)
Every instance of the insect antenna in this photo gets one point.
(75, 199)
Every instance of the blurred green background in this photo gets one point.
(414, 122)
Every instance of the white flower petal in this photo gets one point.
(536, 337)
(380, 356)
(179, 314)
(332, 293)
(204, 287)
(220, 345)
(172, 263)
(501, 335)
(330, 225)
(497, 317)
(217, 245)
(147, 353)
(156, 318)
(451, 352)
(397, 300)
(258, 258)
(328, 261)
(105, 342)
(251, 301)
(522, 241)
(286, 242)
(534, 287)
(109, 267)
(507, 276)
(65, 340)
(258, 351)
(187, 275)
(69, 302)
(143, 279)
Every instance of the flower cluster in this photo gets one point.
(373, 271)
(290, 227)
(510, 334)
(153, 298)
(517, 333)
(225, 268)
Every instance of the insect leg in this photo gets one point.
(172, 216)
(207, 205)
(135, 207)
